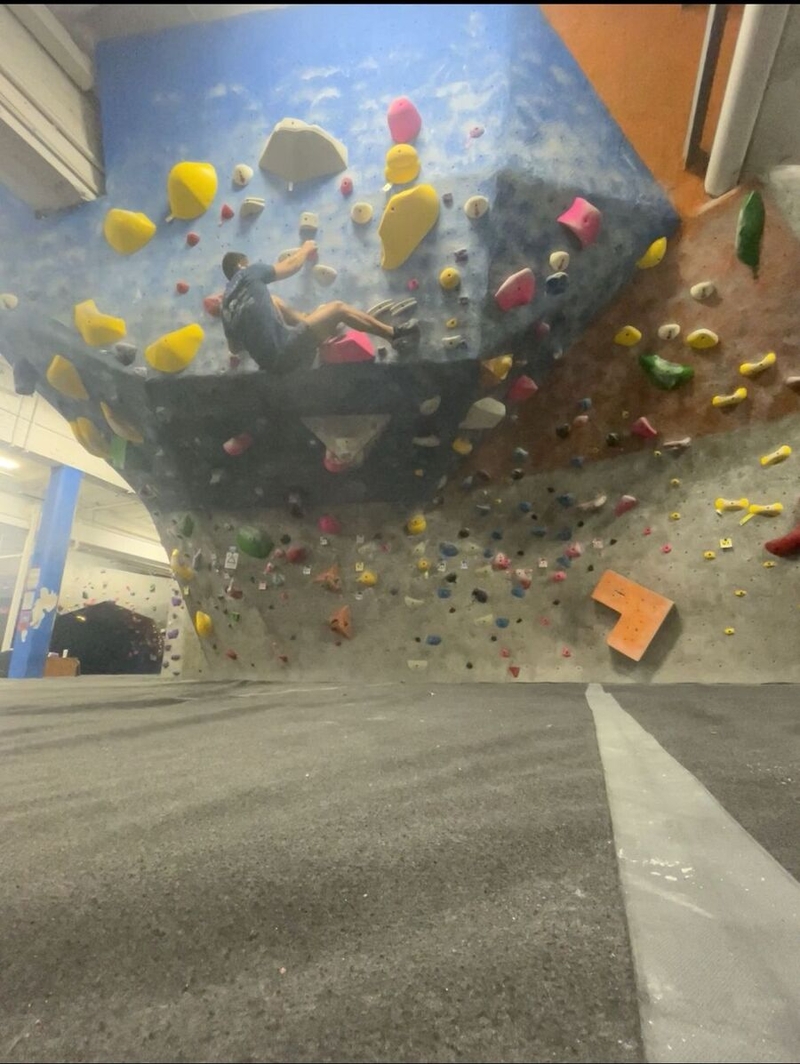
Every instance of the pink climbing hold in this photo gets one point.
(559, 577)
(226, 212)
(192, 239)
(516, 290)
(404, 120)
(627, 502)
(181, 287)
(666, 549)
(334, 464)
(566, 653)
(346, 186)
(642, 427)
(574, 550)
(237, 445)
(501, 561)
(522, 388)
(523, 578)
(580, 419)
(212, 305)
(231, 654)
(583, 219)
(353, 346)
(329, 526)
(295, 555)
(514, 670)
(412, 285)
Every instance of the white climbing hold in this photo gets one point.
(484, 414)
(309, 221)
(669, 331)
(485, 619)
(242, 173)
(324, 275)
(430, 406)
(559, 261)
(703, 290)
(476, 206)
(361, 213)
(251, 206)
(452, 342)
(413, 603)
(426, 441)
(9, 300)
(417, 664)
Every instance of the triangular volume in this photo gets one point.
(348, 436)
(298, 152)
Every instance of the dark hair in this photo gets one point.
(232, 261)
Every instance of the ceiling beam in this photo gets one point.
(40, 21)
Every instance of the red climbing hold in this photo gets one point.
(232, 655)
(785, 546)
(642, 427)
(404, 120)
(341, 622)
(353, 346)
(226, 212)
(412, 285)
(329, 526)
(522, 388)
(627, 502)
(181, 288)
(514, 670)
(583, 219)
(501, 561)
(346, 186)
(192, 239)
(566, 653)
(237, 445)
(295, 555)
(516, 290)
(212, 305)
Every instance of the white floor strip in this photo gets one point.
(714, 919)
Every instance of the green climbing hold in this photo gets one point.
(117, 452)
(663, 374)
(749, 231)
(186, 526)
(254, 541)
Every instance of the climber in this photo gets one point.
(280, 338)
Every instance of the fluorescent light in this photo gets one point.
(8, 463)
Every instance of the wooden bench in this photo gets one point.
(642, 612)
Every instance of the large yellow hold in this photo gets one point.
(173, 351)
(127, 231)
(124, 429)
(402, 164)
(96, 328)
(408, 218)
(63, 376)
(203, 624)
(89, 436)
(190, 189)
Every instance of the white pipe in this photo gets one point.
(756, 46)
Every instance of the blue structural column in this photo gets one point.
(43, 583)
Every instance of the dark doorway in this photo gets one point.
(107, 638)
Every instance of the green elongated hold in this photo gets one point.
(749, 231)
(663, 374)
(254, 541)
(119, 448)
(186, 526)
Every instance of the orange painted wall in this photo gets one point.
(642, 59)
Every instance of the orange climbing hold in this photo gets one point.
(341, 622)
(330, 579)
(642, 612)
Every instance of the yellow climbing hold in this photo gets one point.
(627, 336)
(95, 327)
(729, 505)
(768, 565)
(63, 376)
(739, 592)
(89, 436)
(675, 482)
(120, 426)
(709, 555)
(461, 446)
(449, 278)
(654, 254)
(779, 455)
(702, 339)
(190, 189)
(675, 516)
(407, 219)
(451, 323)
(203, 624)
(730, 631)
(416, 525)
(368, 578)
(498, 367)
(769, 510)
(734, 399)
(182, 571)
(752, 369)
(174, 351)
(127, 231)
(402, 164)
(423, 565)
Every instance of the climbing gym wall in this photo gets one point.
(450, 511)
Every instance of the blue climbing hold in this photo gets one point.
(519, 454)
(525, 507)
(564, 561)
(566, 500)
(585, 404)
(518, 592)
(564, 533)
(556, 284)
(433, 640)
(539, 531)
(497, 533)
(488, 552)
(502, 622)
(449, 550)
(577, 461)
(443, 592)
(467, 483)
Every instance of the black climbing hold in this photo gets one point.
(469, 664)
(295, 503)
(517, 474)
(493, 638)
(613, 440)
(417, 639)
(556, 602)
(452, 609)
(451, 578)
(611, 542)
(463, 533)
(480, 595)
(590, 568)
(286, 538)
(520, 553)
(580, 524)
(562, 431)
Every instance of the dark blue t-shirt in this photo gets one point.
(249, 317)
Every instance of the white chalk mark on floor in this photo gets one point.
(716, 947)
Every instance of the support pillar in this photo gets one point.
(43, 581)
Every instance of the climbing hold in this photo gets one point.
(642, 427)
(124, 429)
(367, 579)
(124, 353)
(669, 331)
(730, 505)
(404, 120)
(664, 374)
(89, 436)
(127, 231)
(226, 212)
(702, 290)
(675, 482)
(416, 525)
(461, 446)
(433, 640)
(678, 445)
(309, 223)
(522, 388)
(253, 541)
(346, 186)
(627, 336)
(502, 622)
(785, 546)
(559, 577)
(329, 525)
(702, 339)
(448, 550)
(774, 457)
(174, 351)
(63, 376)
(430, 406)
(412, 284)
(447, 199)
(341, 622)
(749, 231)
(593, 504)
(752, 369)
(709, 555)
(190, 189)
(401, 165)
(500, 562)
(583, 220)
(324, 275)
(734, 399)
(242, 174)
(450, 279)
(739, 593)
(768, 510)
(407, 219)
(792, 382)
(203, 624)
(237, 445)
(516, 290)
(514, 670)
(96, 328)
(423, 565)
(296, 554)
(417, 664)
(567, 500)
(654, 254)
(496, 369)
(426, 441)
(183, 572)
(642, 612)
(212, 305)
(251, 206)
(674, 516)
(9, 301)
(296, 151)
(556, 284)
(729, 631)
(559, 261)
(666, 549)
(519, 454)
(517, 474)
(484, 414)
(563, 431)
(626, 502)
(181, 287)
(476, 206)
(451, 342)
(330, 579)
(361, 213)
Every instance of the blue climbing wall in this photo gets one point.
(213, 92)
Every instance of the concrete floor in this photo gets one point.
(222, 871)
